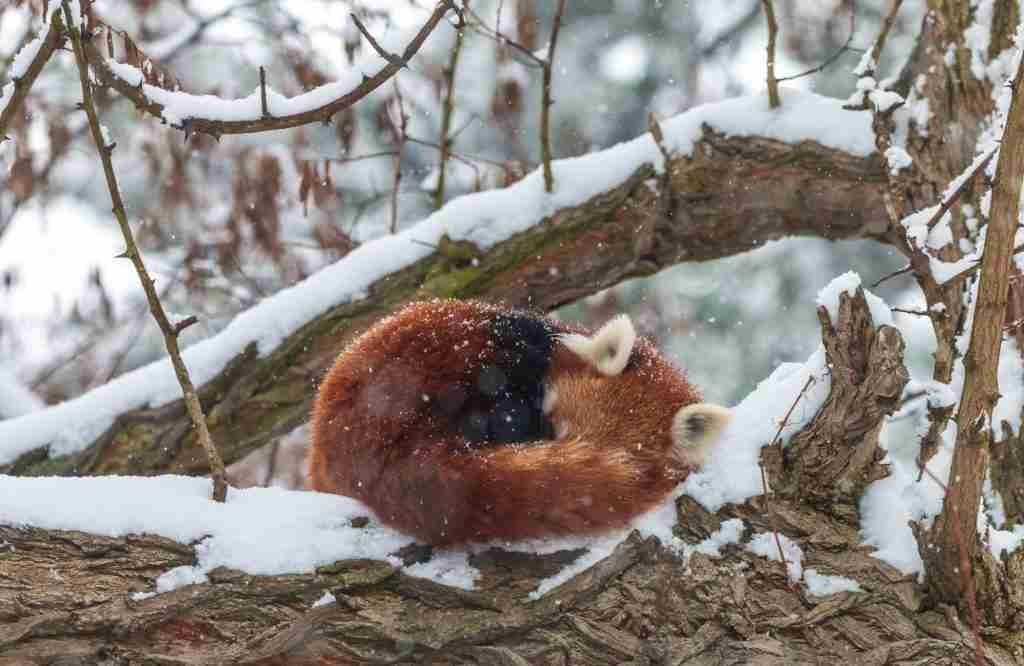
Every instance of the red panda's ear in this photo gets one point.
(609, 349)
(695, 429)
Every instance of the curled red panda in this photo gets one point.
(460, 421)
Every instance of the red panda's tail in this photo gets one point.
(518, 491)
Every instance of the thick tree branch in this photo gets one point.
(734, 195)
(955, 529)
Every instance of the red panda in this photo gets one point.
(459, 421)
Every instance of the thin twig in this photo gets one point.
(545, 103)
(876, 49)
(902, 271)
(969, 270)
(773, 31)
(263, 92)
(777, 440)
(447, 111)
(170, 331)
(399, 129)
(271, 463)
(481, 27)
(832, 58)
(391, 58)
(958, 192)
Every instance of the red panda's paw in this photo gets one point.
(695, 431)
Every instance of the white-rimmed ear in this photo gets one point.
(607, 350)
(695, 429)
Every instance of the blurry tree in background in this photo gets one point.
(227, 223)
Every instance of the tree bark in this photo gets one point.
(67, 598)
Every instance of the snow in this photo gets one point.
(20, 63)
(821, 585)
(883, 100)
(732, 475)
(484, 218)
(848, 283)
(258, 530)
(730, 532)
(802, 116)
(15, 398)
(766, 545)
(940, 395)
(449, 567)
(325, 600)
(898, 159)
(888, 505)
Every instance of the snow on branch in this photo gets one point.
(25, 67)
(474, 246)
(213, 115)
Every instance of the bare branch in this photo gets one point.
(399, 127)
(170, 332)
(387, 55)
(948, 202)
(10, 107)
(447, 111)
(832, 58)
(263, 92)
(545, 103)
(876, 49)
(325, 112)
(773, 30)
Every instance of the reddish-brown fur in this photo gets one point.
(375, 437)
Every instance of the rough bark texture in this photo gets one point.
(955, 528)
(832, 461)
(736, 194)
(642, 605)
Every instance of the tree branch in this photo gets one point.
(258, 123)
(170, 331)
(545, 100)
(733, 195)
(447, 111)
(773, 31)
(955, 528)
(11, 105)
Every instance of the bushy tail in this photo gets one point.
(517, 491)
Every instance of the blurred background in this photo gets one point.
(224, 224)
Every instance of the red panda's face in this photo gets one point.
(617, 389)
